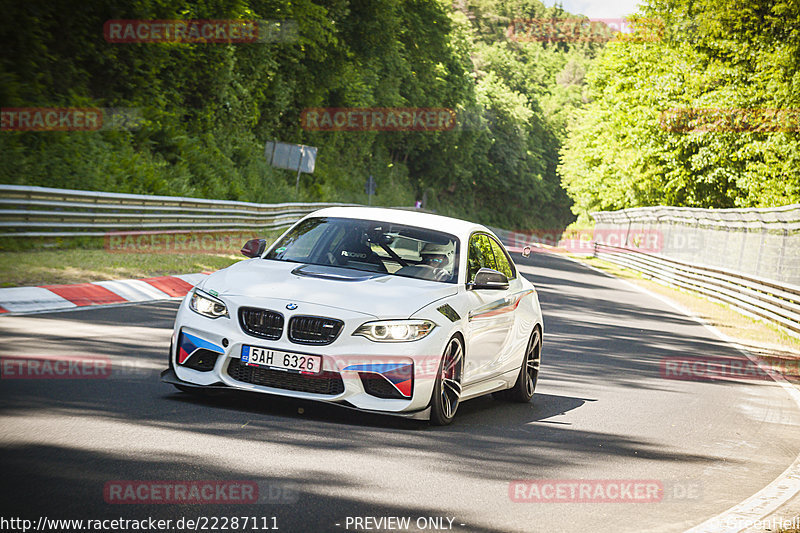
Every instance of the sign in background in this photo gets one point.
(297, 157)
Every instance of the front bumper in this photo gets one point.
(169, 376)
(387, 378)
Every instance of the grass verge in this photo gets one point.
(48, 267)
(94, 262)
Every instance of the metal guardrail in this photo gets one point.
(777, 302)
(47, 212)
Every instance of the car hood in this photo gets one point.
(380, 295)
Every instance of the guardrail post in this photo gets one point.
(781, 255)
(741, 249)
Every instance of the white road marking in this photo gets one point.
(134, 290)
(785, 487)
(27, 299)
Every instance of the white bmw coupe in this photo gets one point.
(381, 310)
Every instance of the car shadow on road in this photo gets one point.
(489, 440)
(484, 411)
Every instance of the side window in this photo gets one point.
(503, 264)
(480, 255)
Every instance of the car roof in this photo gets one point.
(454, 226)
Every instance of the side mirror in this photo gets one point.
(254, 247)
(526, 252)
(489, 279)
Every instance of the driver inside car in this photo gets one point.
(439, 257)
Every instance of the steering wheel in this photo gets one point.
(440, 274)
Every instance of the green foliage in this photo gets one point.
(208, 109)
(724, 55)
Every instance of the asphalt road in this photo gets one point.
(602, 411)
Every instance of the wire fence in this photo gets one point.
(746, 258)
(760, 242)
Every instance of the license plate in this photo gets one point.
(292, 362)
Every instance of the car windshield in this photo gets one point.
(372, 246)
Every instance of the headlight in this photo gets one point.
(395, 330)
(206, 305)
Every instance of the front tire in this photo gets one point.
(447, 389)
(523, 389)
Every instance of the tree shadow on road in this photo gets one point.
(67, 483)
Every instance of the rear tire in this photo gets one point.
(523, 389)
(447, 389)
